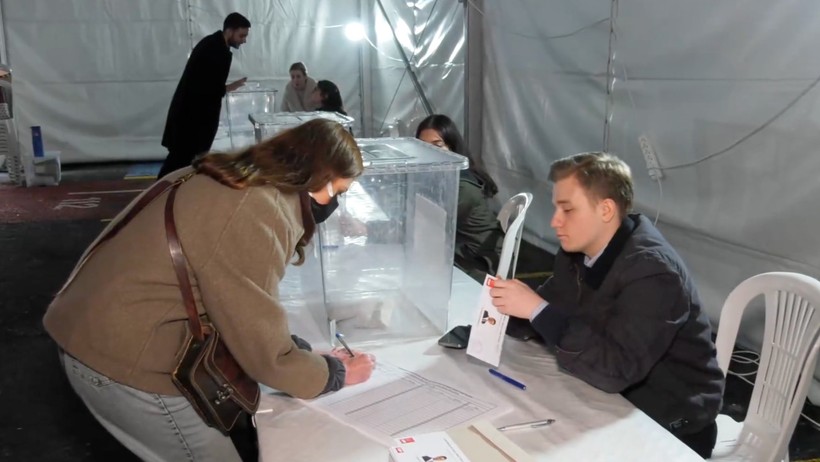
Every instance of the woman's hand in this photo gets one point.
(358, 368)
(341, 354)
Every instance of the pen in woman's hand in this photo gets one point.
(344, 344)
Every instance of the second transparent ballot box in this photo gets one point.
(255, 97)
(267, 125)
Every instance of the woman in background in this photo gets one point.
(478, 234)
(326, 97)
(299, 90)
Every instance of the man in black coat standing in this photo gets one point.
(193, 117)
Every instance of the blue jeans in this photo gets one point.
(152, 426)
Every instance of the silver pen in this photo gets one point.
(533, 424)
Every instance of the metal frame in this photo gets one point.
(410, 68)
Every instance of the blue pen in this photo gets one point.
(344, 344)
(509, 380)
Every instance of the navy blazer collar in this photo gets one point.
(594, 276)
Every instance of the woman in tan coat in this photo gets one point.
(120, 320)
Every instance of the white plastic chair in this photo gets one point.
(791, 342)
(511, 217)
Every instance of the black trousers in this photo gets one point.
(175, 160)
(703, 441)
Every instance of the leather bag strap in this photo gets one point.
(181, 266)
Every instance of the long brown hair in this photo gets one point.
(300, 160)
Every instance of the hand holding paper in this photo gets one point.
(514, 298)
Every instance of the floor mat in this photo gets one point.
(69, 201)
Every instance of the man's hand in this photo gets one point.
(514, 298)
(236, 85)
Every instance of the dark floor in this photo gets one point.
(40, 417)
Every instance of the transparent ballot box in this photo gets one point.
(254, 97)
(380, 268)
(266, 125)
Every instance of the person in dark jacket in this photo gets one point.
(193, 117)
(478, 234)
(621, 310)
(326, 97)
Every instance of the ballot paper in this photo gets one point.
(396, 402)
(429, 447)
(487, 334)
(478, 442)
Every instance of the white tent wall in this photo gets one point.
(98, 76)
(544, 93)
(695, 78)
(89, 74)
(738, 99)
(3, 54)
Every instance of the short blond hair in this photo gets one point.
(602, 175)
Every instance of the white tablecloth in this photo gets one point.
(590, 425)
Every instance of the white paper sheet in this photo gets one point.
(396, 402)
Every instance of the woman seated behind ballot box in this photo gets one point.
(121, 323)
(299, 90)
(478, 234)
(327, 97)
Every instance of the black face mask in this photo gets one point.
(322, 212)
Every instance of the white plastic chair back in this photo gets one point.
(511, 217)
(791, 341)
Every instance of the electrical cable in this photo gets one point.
(660, 201)
(748, 135)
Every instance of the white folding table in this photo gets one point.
(591, 425)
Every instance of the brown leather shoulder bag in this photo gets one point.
(208, 375)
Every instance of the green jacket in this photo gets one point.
(478, 234)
